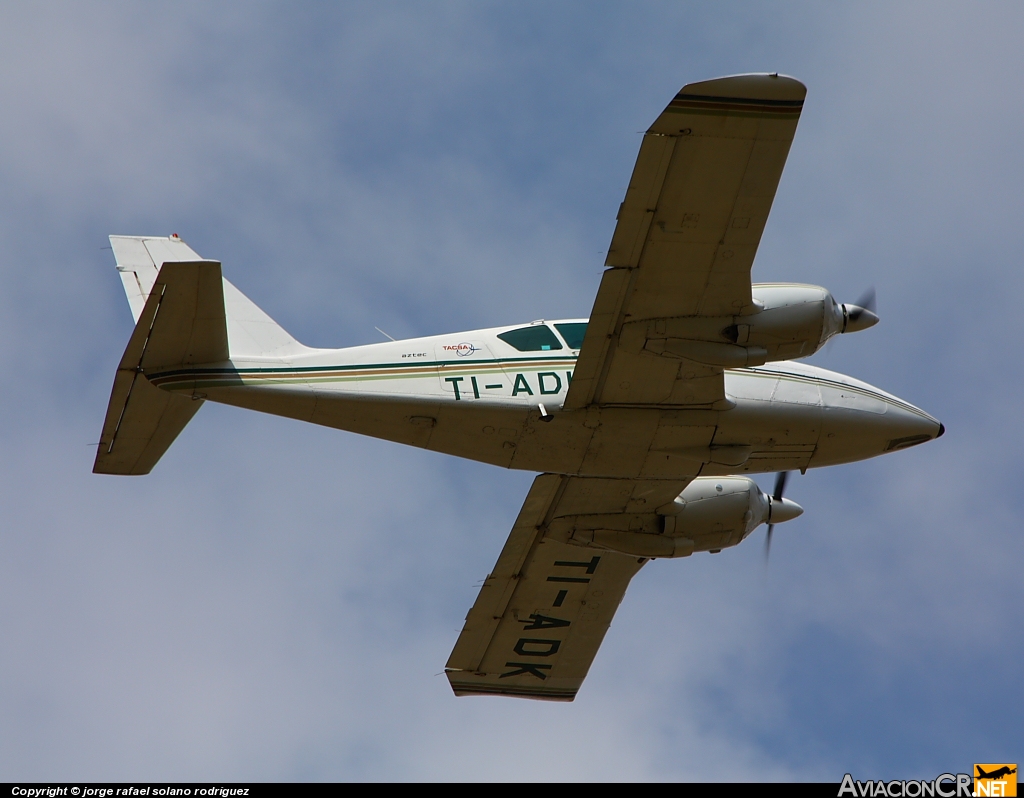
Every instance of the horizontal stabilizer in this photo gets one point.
(182, 322)
(189, 324)
(142, 422)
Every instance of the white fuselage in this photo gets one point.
(476, 396)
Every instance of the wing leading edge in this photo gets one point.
(542, 613)
(685, 240)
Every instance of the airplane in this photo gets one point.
(644, 420)
(996, 774)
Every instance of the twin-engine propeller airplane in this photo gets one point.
(643, 418)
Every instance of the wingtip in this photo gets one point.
(752, 86)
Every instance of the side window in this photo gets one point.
(537, 338)
(573, 333)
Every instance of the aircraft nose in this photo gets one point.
(858, 423)
(909, 426)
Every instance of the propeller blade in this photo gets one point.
(867, 300)
(780, 488)
(780, 484)
(861, 315)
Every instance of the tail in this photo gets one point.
(185, 314)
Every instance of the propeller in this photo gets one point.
(780, 487)
(779, 509)
(860, 315)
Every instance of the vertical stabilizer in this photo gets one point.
(186, 314)
(139, 259)
(251, 332)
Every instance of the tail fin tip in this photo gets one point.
(251, 332)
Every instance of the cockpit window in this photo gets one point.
(573, 333)
(535, 338)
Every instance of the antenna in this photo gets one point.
(378, 329)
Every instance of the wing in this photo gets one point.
(541, 615)
(685, 240)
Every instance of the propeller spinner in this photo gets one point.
(859, 316)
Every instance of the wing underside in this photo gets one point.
(681, 256)
(542, 613)
(685, 239)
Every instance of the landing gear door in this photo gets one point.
(468, 370)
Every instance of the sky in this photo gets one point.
(276, 601)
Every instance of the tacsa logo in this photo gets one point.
(998, 780)
(462, 350)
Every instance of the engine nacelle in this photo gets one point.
(794, 321)
(733, 506)
(711, 514)
(788, 321)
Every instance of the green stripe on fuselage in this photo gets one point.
(285, 375)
